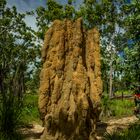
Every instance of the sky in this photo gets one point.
(26, 5)
(31, 5)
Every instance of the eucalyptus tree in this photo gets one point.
(105, 15)
(108, 17)
(132, 55)
(17, 52)
(52, 11)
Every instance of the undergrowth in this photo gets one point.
(132, 133)
(116, 108)
(30, 112)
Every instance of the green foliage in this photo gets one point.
(44, 18)
(117, 22)
(132, 19)
(124, 92)
(69, 11)
(106, 109)
(30, 109)
(53, 11)
(32, 83)
(132, 57)
(116, 107)
(131, 67)
(122, 107)
(17, 52)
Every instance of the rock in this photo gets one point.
(70, 82)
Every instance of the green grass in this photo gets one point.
(28, 116)
(122, 107)
(125, 92)
(132, 133)
(116, 108)
(30, 112)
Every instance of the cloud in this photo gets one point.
(26, 5)
(31, 5)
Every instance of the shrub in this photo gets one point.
(106, 110)
(10, 111)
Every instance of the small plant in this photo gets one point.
(116, 107)
(106, 109)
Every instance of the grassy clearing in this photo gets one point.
(122, 107)
(30, 112)
(111, 108)
(116, 108)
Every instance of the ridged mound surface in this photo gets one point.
(70, 82)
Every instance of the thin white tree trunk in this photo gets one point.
(110, 78)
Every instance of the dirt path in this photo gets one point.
(35, 131)
(115, 125)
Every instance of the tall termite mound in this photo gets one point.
(70, 82)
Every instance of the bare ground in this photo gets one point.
(114, 125)
(35, 130)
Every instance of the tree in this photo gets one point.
(107, 16)
(45, 16)
(17, 52)
(132, 57)
(53, 11)
(115, 20)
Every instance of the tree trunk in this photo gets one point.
(110, 78)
